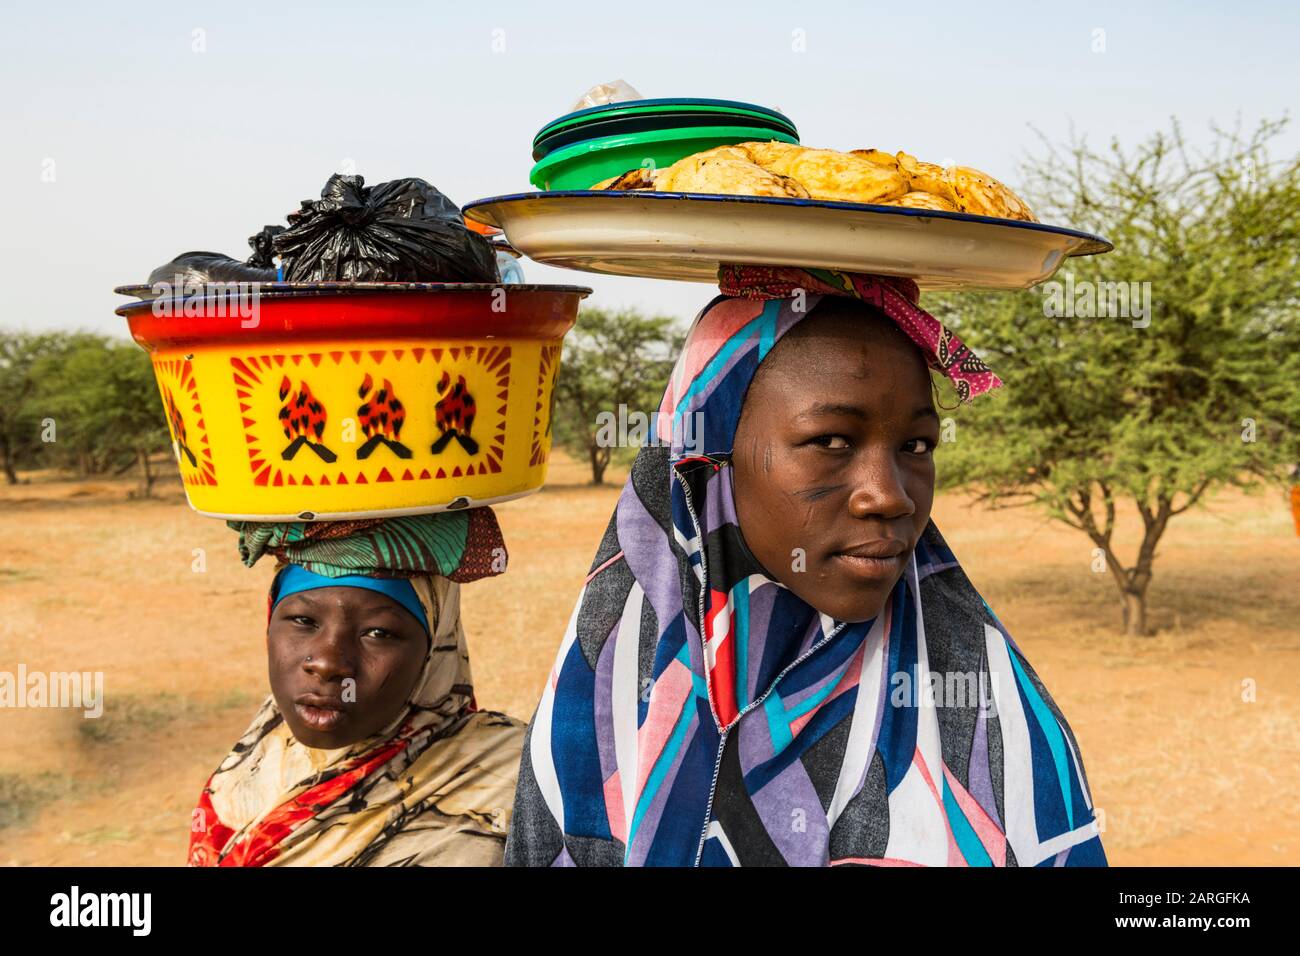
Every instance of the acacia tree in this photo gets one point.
(133, 410)
(611, 360)
(26, 361)
(102, 396)
(1105, 407)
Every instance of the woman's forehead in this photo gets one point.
(345, 596)
(829, 350)
(840, 320)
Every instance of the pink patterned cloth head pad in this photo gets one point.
(895, 296)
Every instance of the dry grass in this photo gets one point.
(1185, 770)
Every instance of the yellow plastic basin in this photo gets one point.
(329, 401)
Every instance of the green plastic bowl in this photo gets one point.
(628, 125)
(726, 111)
(584, 164)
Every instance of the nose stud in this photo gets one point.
(308, 657)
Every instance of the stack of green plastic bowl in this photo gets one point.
(581, 149)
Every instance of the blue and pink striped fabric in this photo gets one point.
(699, 713)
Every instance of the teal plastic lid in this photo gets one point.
(639, 107)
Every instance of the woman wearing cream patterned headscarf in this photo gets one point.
(430, 779)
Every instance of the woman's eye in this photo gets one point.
(925, 446)
(302, 620)
(833, 442)
(378, 632)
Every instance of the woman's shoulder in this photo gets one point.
(492, 731)
(472, 772)
(495, 722)
(484, 744)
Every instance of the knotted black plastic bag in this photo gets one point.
(399, 231)
(195, 269)
(263, 247)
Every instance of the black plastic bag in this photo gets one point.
(263, 247)
(200, 268)
(400, 231)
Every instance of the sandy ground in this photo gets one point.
(1186, 767)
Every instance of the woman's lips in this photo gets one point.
(870, 568)
(319, 712)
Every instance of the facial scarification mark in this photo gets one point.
(303, 418)
(381, 417)
(816, 494)
(454, 415)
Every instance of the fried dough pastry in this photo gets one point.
(775, 156)
(861, 176)
(981, 194)
(842, 177)
(927, 177)
(639, 178)
(734, 177)
(739, 152)
(923, 200)
(878, 156)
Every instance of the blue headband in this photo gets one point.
(295, 578)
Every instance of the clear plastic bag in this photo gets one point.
(616, 91)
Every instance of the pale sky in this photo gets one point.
(166, 126)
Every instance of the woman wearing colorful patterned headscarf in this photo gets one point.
(371, 750)
(826, 687)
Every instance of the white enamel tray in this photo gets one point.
(686, 236)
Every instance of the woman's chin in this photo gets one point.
(317, 738)
(850, 601)
(856, 614)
